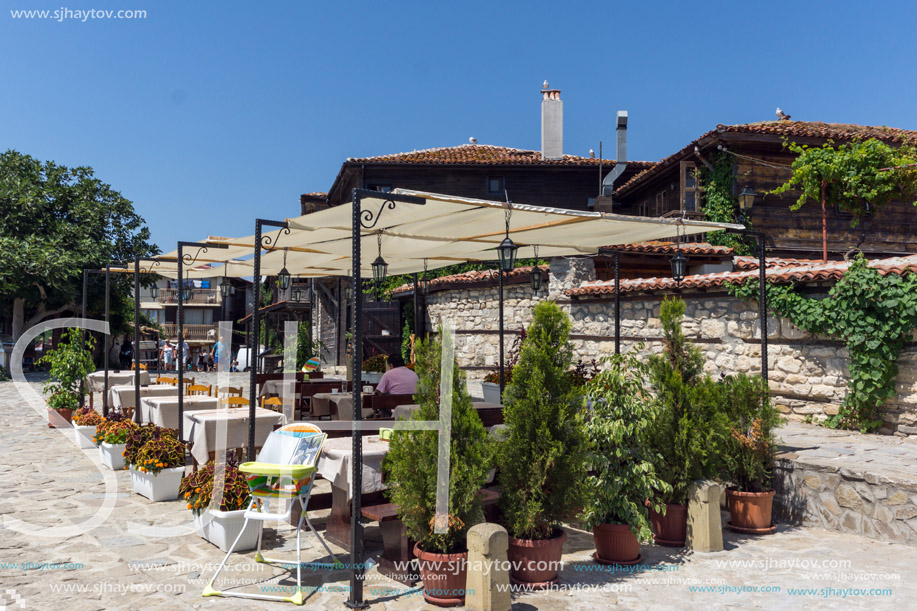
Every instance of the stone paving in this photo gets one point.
(50, 483)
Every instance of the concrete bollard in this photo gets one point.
(705, 528)
(487, 583)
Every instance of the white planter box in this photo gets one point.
(84, 435)
(157, 487)
(224, 527)
(491, 392)
(112, 455)
(370, 378)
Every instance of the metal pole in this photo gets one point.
(137, 339)
(762, 303)
(416, 306)
(255, 340)
(500, 273)
(105, 342)
(356, 519)
(181, 342)
(617, 302)
(82, 331)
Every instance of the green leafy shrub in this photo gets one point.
(621, 462)
(375, 364)
(197, 488)
(690, 425)
(410, 464)
(542, 457)
(750, 446)
(71, 361)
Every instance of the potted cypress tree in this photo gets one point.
(410, 471)
(621, 463)
(541, 458)
(689, 427)
(749, 454)
(71, 361)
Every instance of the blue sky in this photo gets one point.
(208, 114)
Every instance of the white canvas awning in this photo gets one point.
(445, 230)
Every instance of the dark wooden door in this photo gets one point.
(381, 328)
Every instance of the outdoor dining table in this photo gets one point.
(337, 405)
(201, 428)
(335, 466)
(405, 411)
(95, 381)
(275, 387)
(163, 411)
(121, 397)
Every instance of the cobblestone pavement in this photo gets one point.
(49, 483)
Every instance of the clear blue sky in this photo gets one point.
(208, 114)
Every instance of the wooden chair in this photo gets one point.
(198, 389)
(235, 401)
(229, 391)
(167, 380)
(273, 403)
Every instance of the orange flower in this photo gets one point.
(189, 505)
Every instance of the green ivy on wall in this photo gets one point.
(720, 205)
(874, 315)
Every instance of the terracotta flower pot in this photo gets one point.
(535, 564)
(59, 418)
(750, 511)
(443, 577)
(615, 544)
(670, 529)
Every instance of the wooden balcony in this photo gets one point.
(193, 333)
(198, 297)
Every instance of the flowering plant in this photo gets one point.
(115, 429)
(86, 416)
(197, 488)
(151, 449)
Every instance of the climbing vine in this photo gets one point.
(874, 315)
(720, 205)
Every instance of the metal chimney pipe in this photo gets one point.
(620, 155)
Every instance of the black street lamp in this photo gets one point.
(746, 199)
(380, 267)
(186, 293)
(507, 254)
(679, 265)
(225, 287)
(536, 274)
(154, 292)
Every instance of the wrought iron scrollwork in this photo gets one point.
(154, 263)
(368, 219)
(188, 260)
(269, 243)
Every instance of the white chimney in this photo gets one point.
(552, 124)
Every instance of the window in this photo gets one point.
(690, 197)
(495, 185)
(662, 201)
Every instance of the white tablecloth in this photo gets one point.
(200, 428)
(163, 411)
(122, 396)
(275, 387)
(335, 466)
(406, 411)
(338, 405)
(95, 381)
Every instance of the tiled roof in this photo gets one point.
(752, 262)
(473, 277)
(321, 194)
(690, 248)
(789, 129)
(485, 154)
(801, 271)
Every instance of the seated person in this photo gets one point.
(398, 380)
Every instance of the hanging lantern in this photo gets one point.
(297, 295)
(186, 293)
(283, 279)
(746, 198)
(380, 269)
(507, 254)
(536, 274)
(225, 287)
(679, 266)
(154, 292)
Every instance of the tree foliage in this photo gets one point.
(690, 423)
(542, 459)
(720, 205)
(55, 221)
(874, 315)
(622, 464)
(750, 446)
(858, 174)
(71, 361)
(410, 464)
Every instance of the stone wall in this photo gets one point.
(808, 375)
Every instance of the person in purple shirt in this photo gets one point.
(398, 380)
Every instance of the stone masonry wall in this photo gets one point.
(808, 375)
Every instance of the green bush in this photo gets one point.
(542, 457)
(71, 361)
(621, 462)
(690, 426)
(750, 446)
(410, 464)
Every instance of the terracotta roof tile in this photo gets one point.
(789, 129)
(742, 263)
(690, 248)
(803, 271)
(485, 154)
(473, 277)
